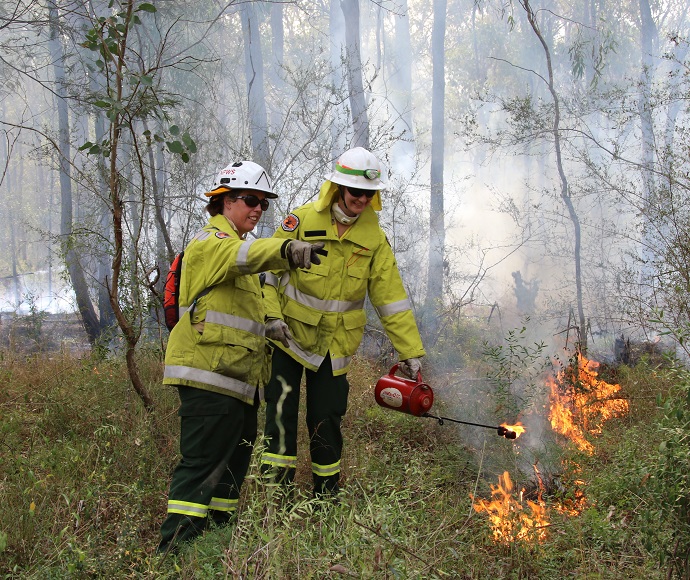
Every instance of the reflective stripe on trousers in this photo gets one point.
(187, 508)
(222, 504)
(325, 470)
(287, 461)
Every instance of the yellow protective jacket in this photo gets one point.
(324, 306)
(230, 355)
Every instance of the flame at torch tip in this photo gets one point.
(518, 428)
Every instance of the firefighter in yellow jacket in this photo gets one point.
(316, 317)
(217, 355)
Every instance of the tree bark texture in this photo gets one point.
(130, 333)
(403, 148)
(437, 232)
(258, 120)
(336, 30)
(355, 84)
(74, 268)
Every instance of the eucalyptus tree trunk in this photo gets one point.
(403, 148)
(648, 36)
(276, 71)
(565, 189)
(12, 223)
(258, 121)
(102, 255)
(437, 232)
(358, 106)
(107, 317)
(336, 35)
(74, 268)
(680, 53)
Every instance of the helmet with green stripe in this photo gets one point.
(358, 168)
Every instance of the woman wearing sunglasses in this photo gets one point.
(317, 318)
(217, 355)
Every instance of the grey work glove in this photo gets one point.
(410, 367)
(303, 254)
(277, 329)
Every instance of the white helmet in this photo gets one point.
(358, 168)
(242, 175)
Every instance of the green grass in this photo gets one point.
(84, 473)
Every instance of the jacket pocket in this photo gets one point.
(358, 270)
(303, 323)
(234, 353)
(353, 323)
(312, 281)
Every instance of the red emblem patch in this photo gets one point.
(222, 235)
(290, 223)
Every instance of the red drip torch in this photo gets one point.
(416, 398)
(404, 395)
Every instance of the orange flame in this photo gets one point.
(510, 520)
(581, 403)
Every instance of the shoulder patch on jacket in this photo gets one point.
(222, 235)
(290, 222)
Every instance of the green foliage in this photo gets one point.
(35, 318)
(671, 476)
(83, 493)
(516, 369)
(108, 39)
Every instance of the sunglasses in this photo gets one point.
(253, 201)
(355, 192)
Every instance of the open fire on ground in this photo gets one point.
(579, 404)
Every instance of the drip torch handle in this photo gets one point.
(396, 367)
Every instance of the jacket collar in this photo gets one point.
(220, 222)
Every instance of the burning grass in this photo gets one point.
(513, 519)
(580, 402)
(84, 494)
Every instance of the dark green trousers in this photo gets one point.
(326, 406)
(216, 438)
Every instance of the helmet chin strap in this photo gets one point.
(341, 216)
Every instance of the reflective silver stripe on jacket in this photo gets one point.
(310, 357)
(272, 279)
(210, 378)
(323, 305)
(338, 364)
(393, 308)
(242, 257)
(232, 321)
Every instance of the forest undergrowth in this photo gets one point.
(84, 472)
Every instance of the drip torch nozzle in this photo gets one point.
(502, 430)
(507, 433)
